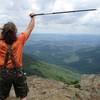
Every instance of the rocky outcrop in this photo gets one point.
(44, 89)
(89, 88)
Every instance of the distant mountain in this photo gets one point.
(75, 52)
(50, 71)
(89, 60)
(75, 40)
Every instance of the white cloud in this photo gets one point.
(91, 18)
(86, 22)
(62, 5)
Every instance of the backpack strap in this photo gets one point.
(9, 53)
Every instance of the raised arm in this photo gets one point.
(1, 27)
(0, 36)
(30, 25)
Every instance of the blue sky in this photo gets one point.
(86, 22)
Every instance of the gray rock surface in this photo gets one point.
(90, 88)
(44, 89)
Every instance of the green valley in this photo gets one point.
(50, 71)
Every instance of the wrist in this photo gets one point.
(32, 15)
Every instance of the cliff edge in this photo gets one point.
(44, 89)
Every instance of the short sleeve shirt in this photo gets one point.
(17, 50)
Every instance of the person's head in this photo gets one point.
(9, 33)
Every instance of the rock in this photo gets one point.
(90, 88)
(44, 89)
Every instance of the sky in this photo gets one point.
(18, 12)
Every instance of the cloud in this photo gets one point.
(91, 18)
(62, 5)
(86, 22)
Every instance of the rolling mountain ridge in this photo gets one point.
(75, 52)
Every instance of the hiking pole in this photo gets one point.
(62, 12)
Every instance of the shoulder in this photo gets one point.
(22, 37)
(2, 44)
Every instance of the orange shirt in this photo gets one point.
(17, 50)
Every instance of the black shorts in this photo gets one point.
(17, 79)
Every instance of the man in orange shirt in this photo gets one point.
(11, 72)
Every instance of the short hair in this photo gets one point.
(9, 33)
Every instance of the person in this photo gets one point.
(11, 71)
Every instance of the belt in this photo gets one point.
(13, 70)
(8, 68)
